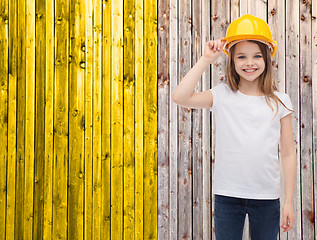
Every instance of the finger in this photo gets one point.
(284, 223)
(219, 44)
(211, 45)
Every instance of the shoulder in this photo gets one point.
(222, 86)
(282, 96)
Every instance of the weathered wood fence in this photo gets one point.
(186, 137)
(93, 146)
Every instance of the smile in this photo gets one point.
(250, 70)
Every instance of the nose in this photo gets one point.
(249, 62)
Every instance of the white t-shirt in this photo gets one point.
(246, 155)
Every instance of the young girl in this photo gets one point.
(252, 118)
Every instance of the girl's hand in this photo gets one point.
(288, 217)
(213, 49)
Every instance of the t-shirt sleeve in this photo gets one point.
(288, 103)
(218, 92)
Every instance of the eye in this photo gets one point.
(241, 57)
(257, 56)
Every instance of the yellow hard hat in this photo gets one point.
(249, 27)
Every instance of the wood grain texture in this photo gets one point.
(305, 91)
(40, 25)
(4, 83)
(28, 207)
(106, 120)
(206, 117)
(292, 88)
(12, 120)
(185, 227)
(61, 133)
(197, 155)
(150, 120)
(96, 119)
(128, 120)
(117, 122)
(314, 101)
(173, 123)
(163, 206)
(88, 216)
(75, 216)
(139, 120)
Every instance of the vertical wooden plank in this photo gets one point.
(4, 18)
(314, 99)
(173, 121)
(117, 121)
(29, 121)
(150, 120)
(220, 20)
(49, 117)
(96, 121)
(276, 21)
(19, 201)
(234, 9)
(206, 155)
(39, 119)
(292, 88)
(163, 119)
(184, 125)
(128, 120)
(61, 121)
(139, 122)
(197, 165)
(12, 122)
(106, 119)
(258, 8)
(76, 120)
(306, 137)
(88, 217)
(244, 7)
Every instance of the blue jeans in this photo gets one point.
(264, 218)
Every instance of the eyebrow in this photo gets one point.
(254, 53)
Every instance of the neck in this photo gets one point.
(250, 87)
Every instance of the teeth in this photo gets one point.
(247, 70)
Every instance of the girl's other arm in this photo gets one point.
(184, 93)
(288, 157)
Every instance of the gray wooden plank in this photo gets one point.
(314, 99)
(197, 169)
(292, 86)
(205, 36)
(163, 119)
(184, 127)
(173, 126)
(305, 84)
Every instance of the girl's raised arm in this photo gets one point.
(184, 93)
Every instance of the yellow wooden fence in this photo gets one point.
(78, 128)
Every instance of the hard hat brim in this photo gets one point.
(238, 38)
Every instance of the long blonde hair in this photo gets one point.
(267, 82)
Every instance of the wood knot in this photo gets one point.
(214, 17)
(306, 79)
(273, 11)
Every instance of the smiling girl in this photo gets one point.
(252, 118)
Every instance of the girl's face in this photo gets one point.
(248, 60)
